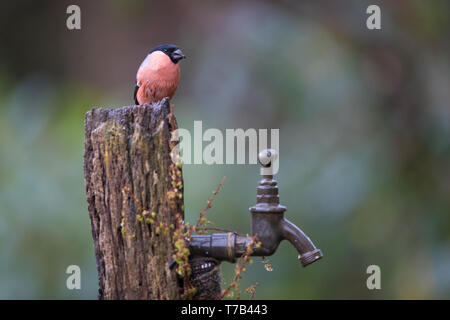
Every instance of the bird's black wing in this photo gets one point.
(135, 95)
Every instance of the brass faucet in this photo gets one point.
(268, 224)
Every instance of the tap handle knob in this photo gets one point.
(267, 158)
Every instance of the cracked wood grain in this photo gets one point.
(127, 168)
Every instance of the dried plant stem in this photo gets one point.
(202, 219)
(240, 268)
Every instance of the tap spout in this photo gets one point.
(308, 253)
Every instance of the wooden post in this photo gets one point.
(128, 173)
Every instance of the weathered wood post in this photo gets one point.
(128, 173)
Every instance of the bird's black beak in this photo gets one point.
(177, 55)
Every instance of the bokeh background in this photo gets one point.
(364, 121)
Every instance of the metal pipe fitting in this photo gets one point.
(220, 246)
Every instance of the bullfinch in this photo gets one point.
(158, 75)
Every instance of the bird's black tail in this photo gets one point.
(135, 94)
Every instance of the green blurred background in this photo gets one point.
(364, 121)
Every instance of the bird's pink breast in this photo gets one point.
(157, 78)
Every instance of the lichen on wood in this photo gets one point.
(126, 165)
(135, 200)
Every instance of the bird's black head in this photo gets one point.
(172, 51)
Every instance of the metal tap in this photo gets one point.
(268, 224)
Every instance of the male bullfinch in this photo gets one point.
(158, 74)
